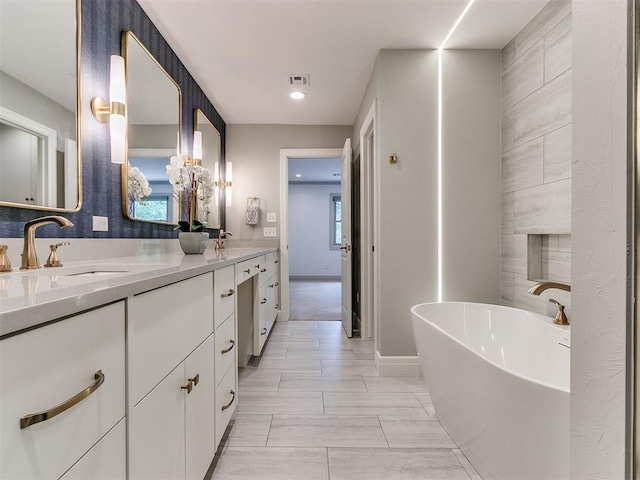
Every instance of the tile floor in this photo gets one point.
(315, 408)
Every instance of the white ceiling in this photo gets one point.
(240, 51)
(314, 170)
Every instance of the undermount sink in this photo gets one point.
(96, 273)
(91, 270)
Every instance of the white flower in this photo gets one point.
(191, 183)
(137, 185)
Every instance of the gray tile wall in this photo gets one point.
(536, 155)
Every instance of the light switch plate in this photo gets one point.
(100, 224)
(269, 232)
(271, 217)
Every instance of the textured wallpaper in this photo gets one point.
(103, 22)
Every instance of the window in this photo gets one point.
(336, 221)
(153, 208)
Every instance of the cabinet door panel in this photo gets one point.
(156, 431)
(224, 294)
(44, 368)
(200, 411)
(107, 460)
(165, 326)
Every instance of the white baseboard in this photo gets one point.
(389, 366)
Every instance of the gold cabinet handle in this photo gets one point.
(257, 266)
(34, 418)
(224, 407)
(247, 271)
(263, 301)
(277, 306)
(264, 331)
(227, 350)
(188, 387)
(229, 292)
(277, 283)
(263, 270)
(276, 261)
(272, 285)
(195, 380)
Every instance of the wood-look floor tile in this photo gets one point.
(404, 432)
(326, 431)
(466, 464)
(278, 365)
(322, 383)
(252, 463)
(337, 403)
(249, 431)
(259, 382)
(320, 333)
(321, 354)
(280, 403)
(395, 384)
(394, 464)
(425, 401)
(349, 367)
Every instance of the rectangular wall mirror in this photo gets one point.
(211, 148)
(40, 165)
(154, 111)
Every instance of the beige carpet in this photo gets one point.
(314, 300)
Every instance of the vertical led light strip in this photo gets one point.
(440, 215)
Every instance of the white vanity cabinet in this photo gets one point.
(172, 380)
(79, 358)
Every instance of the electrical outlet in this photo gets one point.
(100, 224)
(271, 217)
(269, 232)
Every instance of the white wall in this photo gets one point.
(404, 82)
(255, 153)
(310, 218)
(599, 235)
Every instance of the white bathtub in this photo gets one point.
(499, 382)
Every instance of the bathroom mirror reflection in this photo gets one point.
(39, 120)
(211, 146)
(154, 107)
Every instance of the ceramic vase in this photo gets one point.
(193, 242)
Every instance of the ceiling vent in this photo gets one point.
(299, 79)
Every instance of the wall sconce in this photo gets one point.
(227, 183)
(115, 111)
(197, 148)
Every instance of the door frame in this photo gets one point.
(285, 154)
(369, 233)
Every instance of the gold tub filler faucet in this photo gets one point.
(538, 288)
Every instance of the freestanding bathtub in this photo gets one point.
(499, 382)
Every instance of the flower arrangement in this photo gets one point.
(137, 186)
(193, 188)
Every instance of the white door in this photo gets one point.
(345, 194)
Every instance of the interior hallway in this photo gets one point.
(315, 408)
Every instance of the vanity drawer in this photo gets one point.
(166, 325)
(47, 367)
(246, 269)
(224, 294)
(225, 347)
(226, 401)
(263, 271)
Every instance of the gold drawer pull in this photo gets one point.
(277, 283)
(232, 399)
(34, 418)
(227, 350)
(264, 331)
(263, 301)
(257, 266)
(263, 270)
(247, 271)
(276, 261)
(188, 387)
(272, 285)
(228, 293)
(195, 380)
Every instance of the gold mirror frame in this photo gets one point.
(78, 115)
(207, 161)
(128, 37)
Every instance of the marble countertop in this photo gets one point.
(31, 298)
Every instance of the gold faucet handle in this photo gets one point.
(561, 317)
(53, 260)
(5, 264)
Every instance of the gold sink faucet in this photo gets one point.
(538, 288)
(219, 242)
(29, 254)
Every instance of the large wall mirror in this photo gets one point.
(154, 106)
(211, 148)
(40, 165)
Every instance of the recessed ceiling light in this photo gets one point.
(297, 95)
(298, 175)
